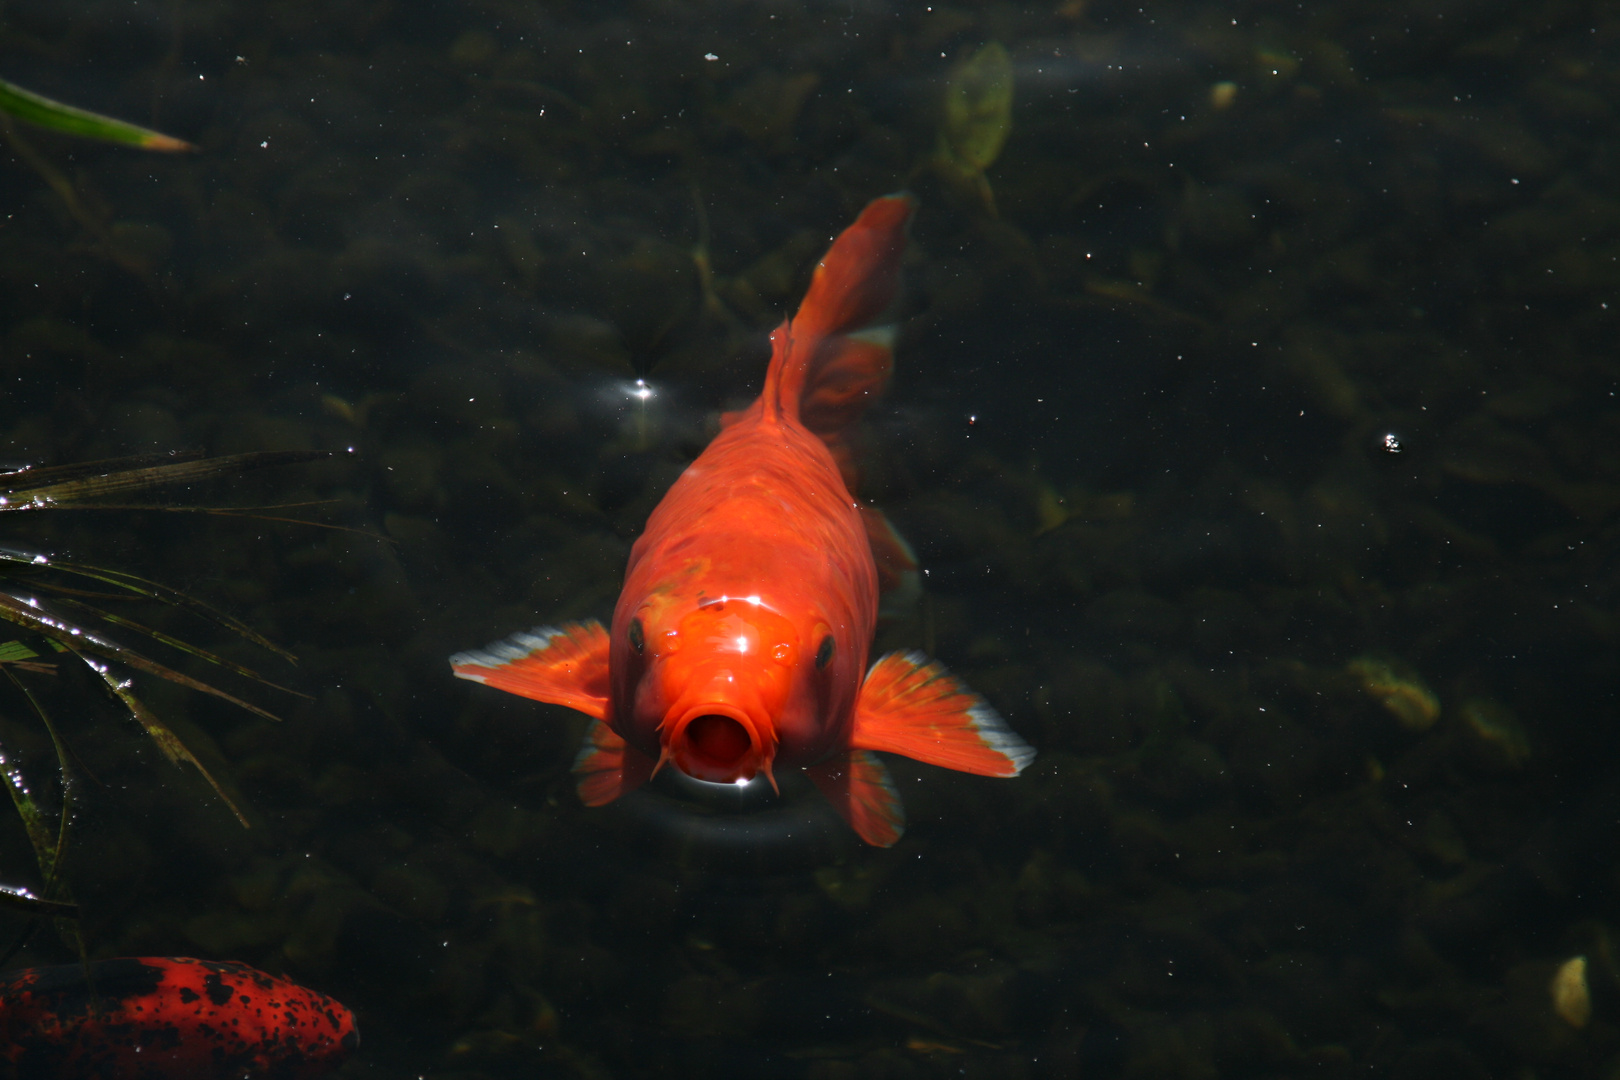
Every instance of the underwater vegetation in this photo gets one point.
(977, 119)
(63, 610)
(28, 574)
(1288, 347)
(1400, 690)
(55, 116)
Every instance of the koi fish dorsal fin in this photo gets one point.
(607, 766)
(859, 787)
(898, 583)
(916, 708)
(835, 356)
(565, 665)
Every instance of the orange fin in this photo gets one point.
(848, 373)
(858, 279)
(916, 708)
(860, 789)
(898, 580)
(607, 766)
(835, 355)
(565, 665)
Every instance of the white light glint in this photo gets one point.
(742, 644)
(752, 600)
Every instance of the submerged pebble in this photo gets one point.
(1571, 998)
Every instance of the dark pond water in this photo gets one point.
(1258, 434)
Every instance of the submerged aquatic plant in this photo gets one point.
(1400, 689)
(977, 119)
(44, 112)
(59, 610)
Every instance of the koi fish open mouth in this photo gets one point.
(717, 742)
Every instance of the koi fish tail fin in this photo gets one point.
(860, 789)
(565, 666)
(835, 356)
(608, 767)
(913, 707)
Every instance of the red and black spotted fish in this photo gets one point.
(167, 1018)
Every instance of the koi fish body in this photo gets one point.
(740, 641)
(167, 1018)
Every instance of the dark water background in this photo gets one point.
(450, 236)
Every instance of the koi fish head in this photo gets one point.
(714, 683)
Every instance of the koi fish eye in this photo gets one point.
(824, 653)
(638, 639)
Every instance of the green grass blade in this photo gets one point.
(29, 904)
(14, 651)
(77, 640)
(59, 485)
(52, 870)
(40, 110)
(24, 476)
(167, 741)
(33, 819)
(175, 643)
(250, 513)
(139, 586)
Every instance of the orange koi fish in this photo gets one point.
(739, 644)
(167, 1018)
